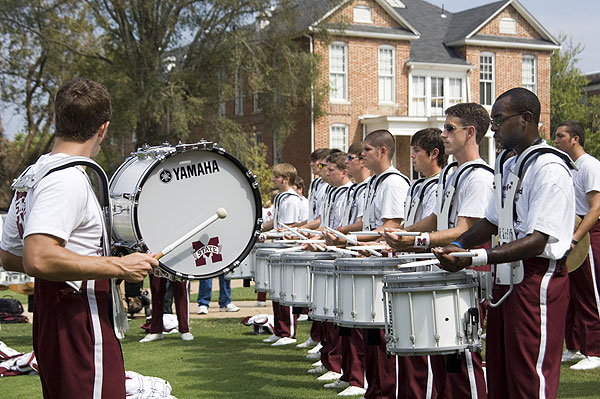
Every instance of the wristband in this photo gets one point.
(458, 244)
(481, 258)
(574, 242)
(422, 241)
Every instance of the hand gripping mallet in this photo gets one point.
(220, 214)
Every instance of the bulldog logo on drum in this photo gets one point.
(203, 252)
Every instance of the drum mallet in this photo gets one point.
(351, 240)
(220, 214)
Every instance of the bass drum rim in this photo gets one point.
(248, 175)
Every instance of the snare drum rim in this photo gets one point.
(248, 175)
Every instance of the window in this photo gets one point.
(418, 96)
(437, 96)
(338, 72)
(486, 79)
(508, 26)
(387, 74)
(363, 14)
(256, 105)
(239, 101)
(338, 137)
(258, 136)
(455, 91)
(222, 105)
(529, 73)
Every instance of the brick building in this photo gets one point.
(397, 64)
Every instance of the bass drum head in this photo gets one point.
(184, 190)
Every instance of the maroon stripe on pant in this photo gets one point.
(353, 362)
(180, 297)
(515, 330)
(331, 351)
(63, 341)
(583, 319)
(285, 323)
(380, 369)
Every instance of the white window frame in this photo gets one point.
(422, 97)
(508, 26)
(386, 77)
(533, 83)
(362, 14)
(437, 111)
(239, 95)
(343, 73)
(337, 127)
(492, 81)
(428, 74)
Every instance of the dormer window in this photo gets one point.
(508, 26)
(363, 14)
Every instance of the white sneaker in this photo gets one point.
(271, 339)
(337, 384)
(186, 336)
(303, 317)
(316, 349)
(353, 391)
(202, 309)
(569, 355)
(329, 376)
(589, 363)
(260, 304)
(230, 308)
(319, 370)
(308, 343)
(314, 356)
(284, 341)
(152, 337)
(317, 363)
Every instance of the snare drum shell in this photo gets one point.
(245, 270)
(427, 312)
(322, 290)
(261, 273)
(295, 276)
(274, 268)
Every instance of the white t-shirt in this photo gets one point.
(304, 210)
(320, 195)
(288, 208)
(585, 180)
(387, 200)
(337, 199)
(473, 194)
(426, 206)
(62, 205)
(545, 203)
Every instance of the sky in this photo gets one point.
(576, 18)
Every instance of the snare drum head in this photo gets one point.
(184, 190)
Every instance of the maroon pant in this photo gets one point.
(468, 382)
(353, 362)
(315, 331)
(180, 297)
(381, 368)
(331, 355)
(261, 296)
(413, 377)
(583, 317)
(284, 321)
(74, 342)
(525, 333)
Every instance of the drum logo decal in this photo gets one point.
(196, 169)
(165, 175)
(212, 250)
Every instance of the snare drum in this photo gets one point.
(295, 276)
(20, 283)
(322, 290)
(359, 282)
(261, 274)
(246, 269)
(432, 312)
(274, 273)
(161, 193)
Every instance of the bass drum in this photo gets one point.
(161, 193)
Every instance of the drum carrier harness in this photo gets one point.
(373, 185)
(415, 197)
(26, 182)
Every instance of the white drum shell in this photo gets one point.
(428, 312)
(322, 290)
(246, 269)
(274, 272)
(261, 272)
(295, 276)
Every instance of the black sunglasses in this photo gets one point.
(451, 128)
(498, 120)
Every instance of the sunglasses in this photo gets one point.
(352, 157)
(321, 165)
(498, 120)
(451, 128)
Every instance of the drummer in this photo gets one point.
(583, 333)
(464, 128)
(318, 186)
(288, 210)
(525, 332)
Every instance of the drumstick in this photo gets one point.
(294, 232)
(342, 251)
(377, 233)
(308, 241)
(352, 241)
(420, 263)
(220, 214)
(309, 231)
